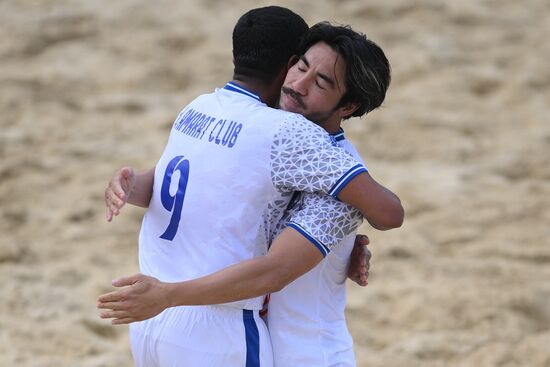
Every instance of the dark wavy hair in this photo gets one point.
(368, 72)
(264, 39)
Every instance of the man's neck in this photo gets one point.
(259, 88)
(331, 127)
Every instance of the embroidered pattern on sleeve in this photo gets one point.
(322, 219)
(303, 158)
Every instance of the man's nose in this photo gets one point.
(301, 85)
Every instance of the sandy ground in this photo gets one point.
(464, 138)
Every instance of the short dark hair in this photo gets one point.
(264, 39)
(368, 72)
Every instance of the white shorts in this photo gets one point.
(202, 336)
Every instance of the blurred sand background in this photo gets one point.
(464, 138)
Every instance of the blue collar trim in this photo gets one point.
(235, 88)
(339, 135)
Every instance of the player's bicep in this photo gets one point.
(379, 206)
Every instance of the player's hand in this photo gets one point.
(118, 191)
(140, 298)
(359, 265)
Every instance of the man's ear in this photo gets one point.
(292, 61)
(347, 109)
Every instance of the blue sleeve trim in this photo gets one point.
(347, 177)
(324, 250)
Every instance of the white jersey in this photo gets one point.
(227, 173)
(306, 319)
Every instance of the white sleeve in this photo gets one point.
(305, 158)
(323, 220)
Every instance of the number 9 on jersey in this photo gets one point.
(178, 166)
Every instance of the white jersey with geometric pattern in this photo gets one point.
(227, 173)
(306, 319)
(324, 220)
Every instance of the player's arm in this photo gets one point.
(310, 231)
(380, 207)
(143, 297)
(303, 159)
(125, 186)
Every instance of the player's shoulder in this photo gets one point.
(350, 148)
(296, 121)
(200, 101)
(298, 128)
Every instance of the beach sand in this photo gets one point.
(463, 138)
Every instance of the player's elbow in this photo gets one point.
(277, 287)
(397, 216)
(279, 278)
(391, 218)
(279, 282)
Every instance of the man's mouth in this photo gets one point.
(294, 96)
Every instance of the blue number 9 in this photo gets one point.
(174, 203)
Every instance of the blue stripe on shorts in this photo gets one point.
(252, 339)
